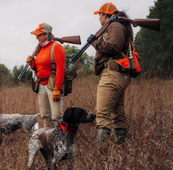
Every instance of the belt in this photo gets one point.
(111, 64)
(114, 65)
(43, 79)
(105, 65)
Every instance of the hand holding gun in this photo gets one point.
(31, 60)
(91, 38)
(37, 49)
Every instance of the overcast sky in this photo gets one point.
(67, 17)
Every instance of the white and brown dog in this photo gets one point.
(58, 143)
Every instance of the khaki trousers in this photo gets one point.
(49, 110)
(110, 99)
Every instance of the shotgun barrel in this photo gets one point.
(23, 71)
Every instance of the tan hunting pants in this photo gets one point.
(110, 99)
(51, 112)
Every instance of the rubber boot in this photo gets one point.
(120, 136)
(48, 122)
(102, 137)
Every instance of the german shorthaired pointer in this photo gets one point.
(12, 122)
(58, 143)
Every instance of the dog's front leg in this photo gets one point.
(31, 160)
(55, 164)
(58, 157)
(55, 167)
(33, 148)
(47, 158)
(70, 159)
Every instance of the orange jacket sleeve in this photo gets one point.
(59, 57)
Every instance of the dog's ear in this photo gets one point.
(67, 114)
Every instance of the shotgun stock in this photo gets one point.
(146, 23)
(70, 39)
(153, 24)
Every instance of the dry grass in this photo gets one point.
(148, 105)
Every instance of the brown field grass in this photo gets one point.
(149, 146)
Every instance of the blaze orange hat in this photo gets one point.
(42, 28)
(107, 8)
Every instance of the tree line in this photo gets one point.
(156, 48)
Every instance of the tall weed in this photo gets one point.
(149, 145)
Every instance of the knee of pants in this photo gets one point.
(44, 105)
(56, 109)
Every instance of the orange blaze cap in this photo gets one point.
(107, 8)
(42, 28)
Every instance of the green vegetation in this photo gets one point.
(82, 66)
(7, 77)
(155, 48)
(5, 74)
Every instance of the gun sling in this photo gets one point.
(51, 83)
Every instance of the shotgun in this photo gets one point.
(70, 39)
(153, 24)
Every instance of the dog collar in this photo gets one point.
(68, 127)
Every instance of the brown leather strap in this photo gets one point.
(52, 58)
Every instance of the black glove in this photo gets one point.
(92, 38)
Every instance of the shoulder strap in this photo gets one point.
(131, 46)
(52, 57)
(127, 52)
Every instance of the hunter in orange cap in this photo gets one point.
(107, 8)
(49, 66)
(114, 74)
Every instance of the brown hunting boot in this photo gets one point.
(102, 137)
(120, 136)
